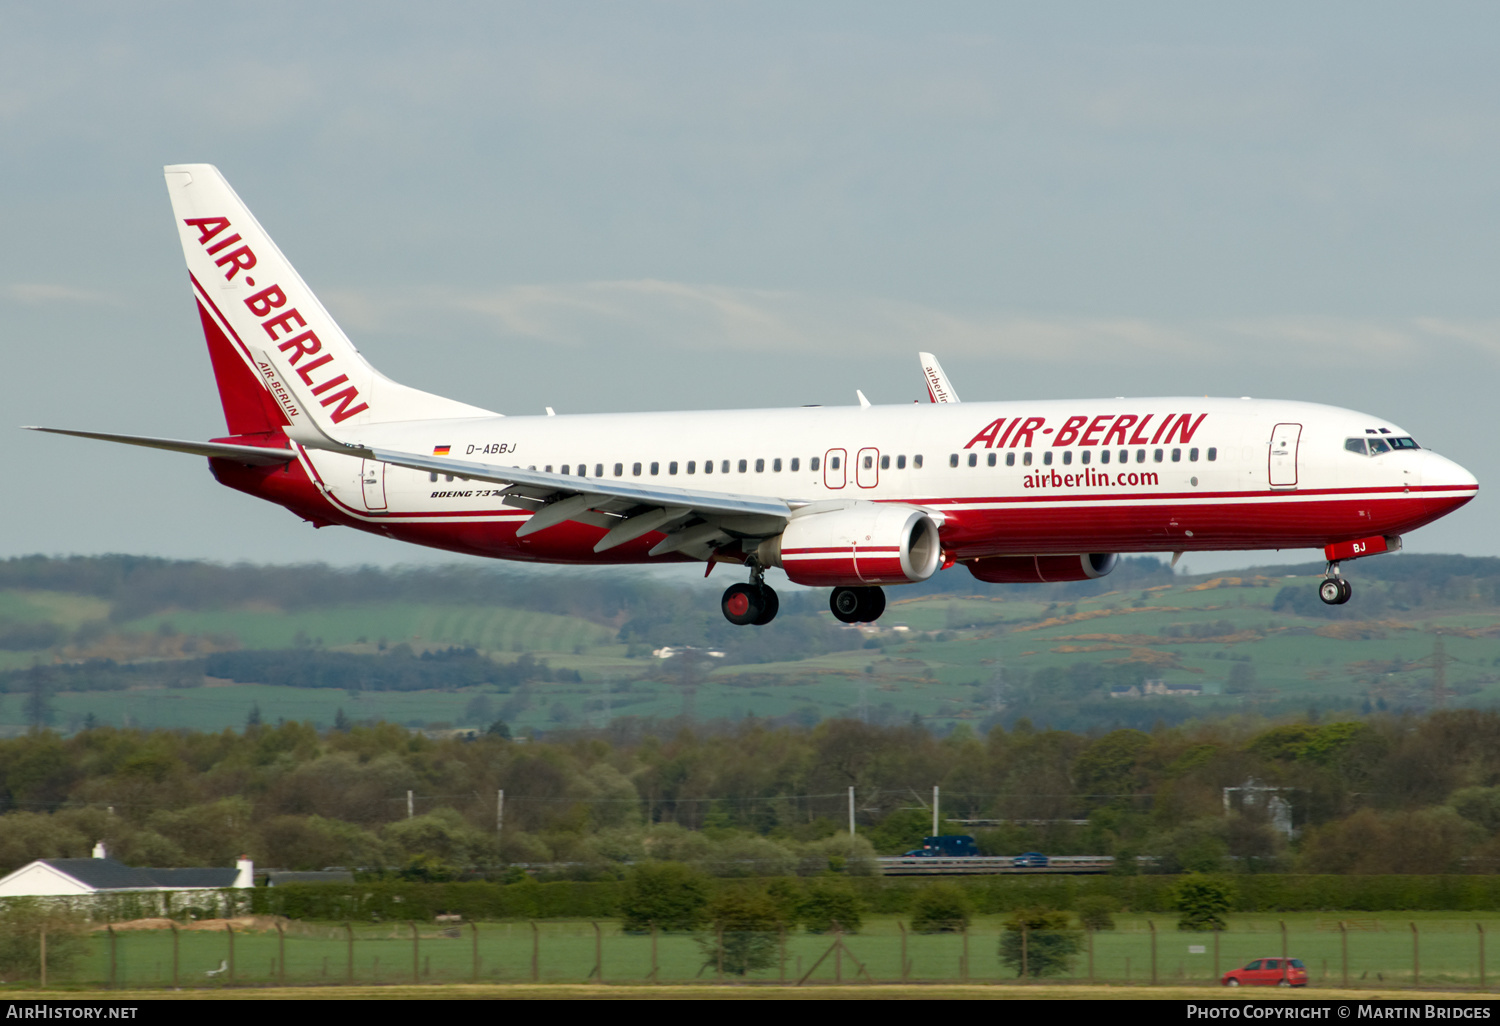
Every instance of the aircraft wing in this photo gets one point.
(938, 388)
(253, 455)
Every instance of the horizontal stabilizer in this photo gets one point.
(252, 455)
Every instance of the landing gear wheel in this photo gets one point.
(743, 605)
(769, 606)
(1348, 591)
(1332, 591)
(856, 605)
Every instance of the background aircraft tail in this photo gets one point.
(250, 296)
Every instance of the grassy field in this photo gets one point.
(1380, 955)
(949, 665)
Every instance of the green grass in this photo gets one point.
(1380, 953)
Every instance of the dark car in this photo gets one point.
(1030, 860)
(950, 846)
(1268, 972)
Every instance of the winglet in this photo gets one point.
(938, 388)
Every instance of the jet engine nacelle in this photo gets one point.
(864, 544)
(1043, 569)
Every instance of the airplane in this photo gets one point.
(855, 499)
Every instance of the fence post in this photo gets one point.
(416, 963)
(1286, 971)
(112, 979)
(965, 965)
(1025, 937)
(1089, 935)
(1217, 974)
(905, 965)
(598, 953)
(1416, 958)
(174, 956)
(280, 954)
(474, 930)
(1344, 943)
(838, 953)
(349, 976)
(720, 970)
(536, 952)
(781, 971)
(654, 964)
(44, 955)
(1481, 955)
(230, 929)
(1152, 923)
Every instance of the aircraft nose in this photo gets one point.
(1443, 472)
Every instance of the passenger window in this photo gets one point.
(1140, 455)
(1176, 455)
(916, 462)
(432, 477)
(760, 466)
(1158, 455)
(724, 466)
(620, 469)
(1103, 455)
(599, 469)
(869, 462)
(1067, 457)
(973, 459)
(1047, 457)
(635, 470)
(885, 463)
(671, 468)
(1213, 454)
(1378, 446)
(708, 466)
(1084, 457)
(448, 478)
(1026, 458)
(563, 471)
(795, 462)
(744, 466)
(990, 459)
(1010, 459)
(1192, 455)
(812, 464)
(833, 463)
(900, 462)
(692, 467)
(549, 468)
(1124, 455)
(776, 466)
(953, 460)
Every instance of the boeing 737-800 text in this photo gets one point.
(853, 498)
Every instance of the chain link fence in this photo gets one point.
(262, 952)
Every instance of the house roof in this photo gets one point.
(110, 875)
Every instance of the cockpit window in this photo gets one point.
(1376, 446)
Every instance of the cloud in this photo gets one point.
(34, 293)
(691, 317)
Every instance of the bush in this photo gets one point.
(941, 908)
(1203, 902)
(747, 926)
(1039, 942)
(667, 894)
(21, 923)
(1096, 912)
(825, 905)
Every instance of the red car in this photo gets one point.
(1268, 972)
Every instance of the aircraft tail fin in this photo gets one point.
(249, 296)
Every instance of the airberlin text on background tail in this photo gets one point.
(852, 498)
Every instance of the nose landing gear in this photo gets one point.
(857, 605)
(1334, 590)
(753, 604)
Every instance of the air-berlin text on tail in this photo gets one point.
(280, 324)
(1105, 429)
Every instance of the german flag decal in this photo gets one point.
(441, 450)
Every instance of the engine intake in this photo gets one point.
(864, 544)
(1043, 569)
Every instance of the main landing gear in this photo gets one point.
(1334, 590)
(857, 605)
(750, 604)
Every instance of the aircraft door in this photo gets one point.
(372, 481)
(835, 473)
(1285, 439)
(867, 468)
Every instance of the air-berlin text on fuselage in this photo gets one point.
(1105, 429)
(282, 323)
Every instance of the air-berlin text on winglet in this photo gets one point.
(262, 303)
(1105, 429)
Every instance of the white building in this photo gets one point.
(82, 878)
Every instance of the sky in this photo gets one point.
(645, 206)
